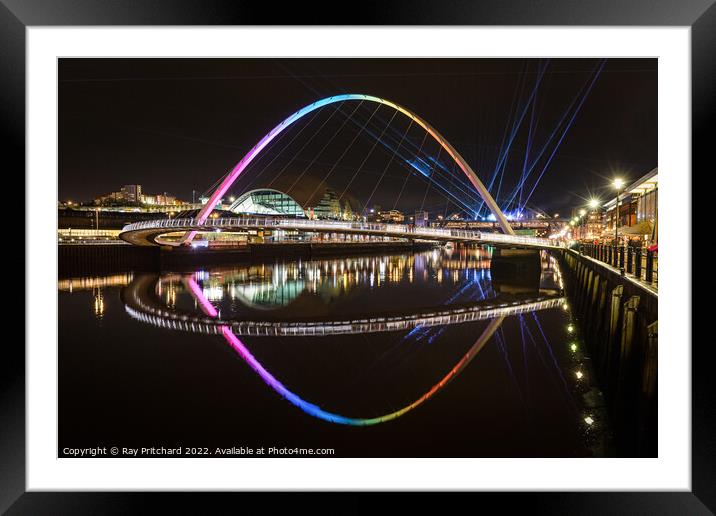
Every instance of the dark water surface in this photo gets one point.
(398, 355)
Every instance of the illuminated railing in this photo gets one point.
(164, 318)
(394, 230)
(637, 262)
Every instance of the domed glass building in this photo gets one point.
(265, 201)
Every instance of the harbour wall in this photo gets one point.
(618, 318)
(75, 260)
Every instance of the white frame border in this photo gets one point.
(671, 471)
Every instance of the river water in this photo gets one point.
(399, 355)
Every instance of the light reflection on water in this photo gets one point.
(276, 285)
(532, 365)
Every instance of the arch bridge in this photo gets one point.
(147, 233)
(240, 167)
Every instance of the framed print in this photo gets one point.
(416, 252)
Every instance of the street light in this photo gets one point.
(618, 184)
(593, 205)
(582, 212)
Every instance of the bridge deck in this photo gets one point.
(146, 232)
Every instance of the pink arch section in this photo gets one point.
(249, 157)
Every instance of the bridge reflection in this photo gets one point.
(145, 300)
(275, 285)
(143, 303)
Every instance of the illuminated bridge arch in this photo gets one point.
(249, 157)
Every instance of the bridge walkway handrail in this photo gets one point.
(387, 229)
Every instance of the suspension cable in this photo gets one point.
(252, 165)
(429, 182)
(315, 133)
(310, 164)
(298, 133)
(333, 167)
(410, 172)
(360, 167)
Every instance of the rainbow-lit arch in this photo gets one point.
(248, 158)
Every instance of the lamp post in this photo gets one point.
(593, 205)
(582, 213)
(618, 184)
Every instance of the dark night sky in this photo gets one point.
(174, 125)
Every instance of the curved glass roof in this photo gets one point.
(267, 202)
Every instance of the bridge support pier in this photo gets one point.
(515, 271)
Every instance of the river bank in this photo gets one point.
(99, 258)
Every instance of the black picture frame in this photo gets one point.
(17, 15)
